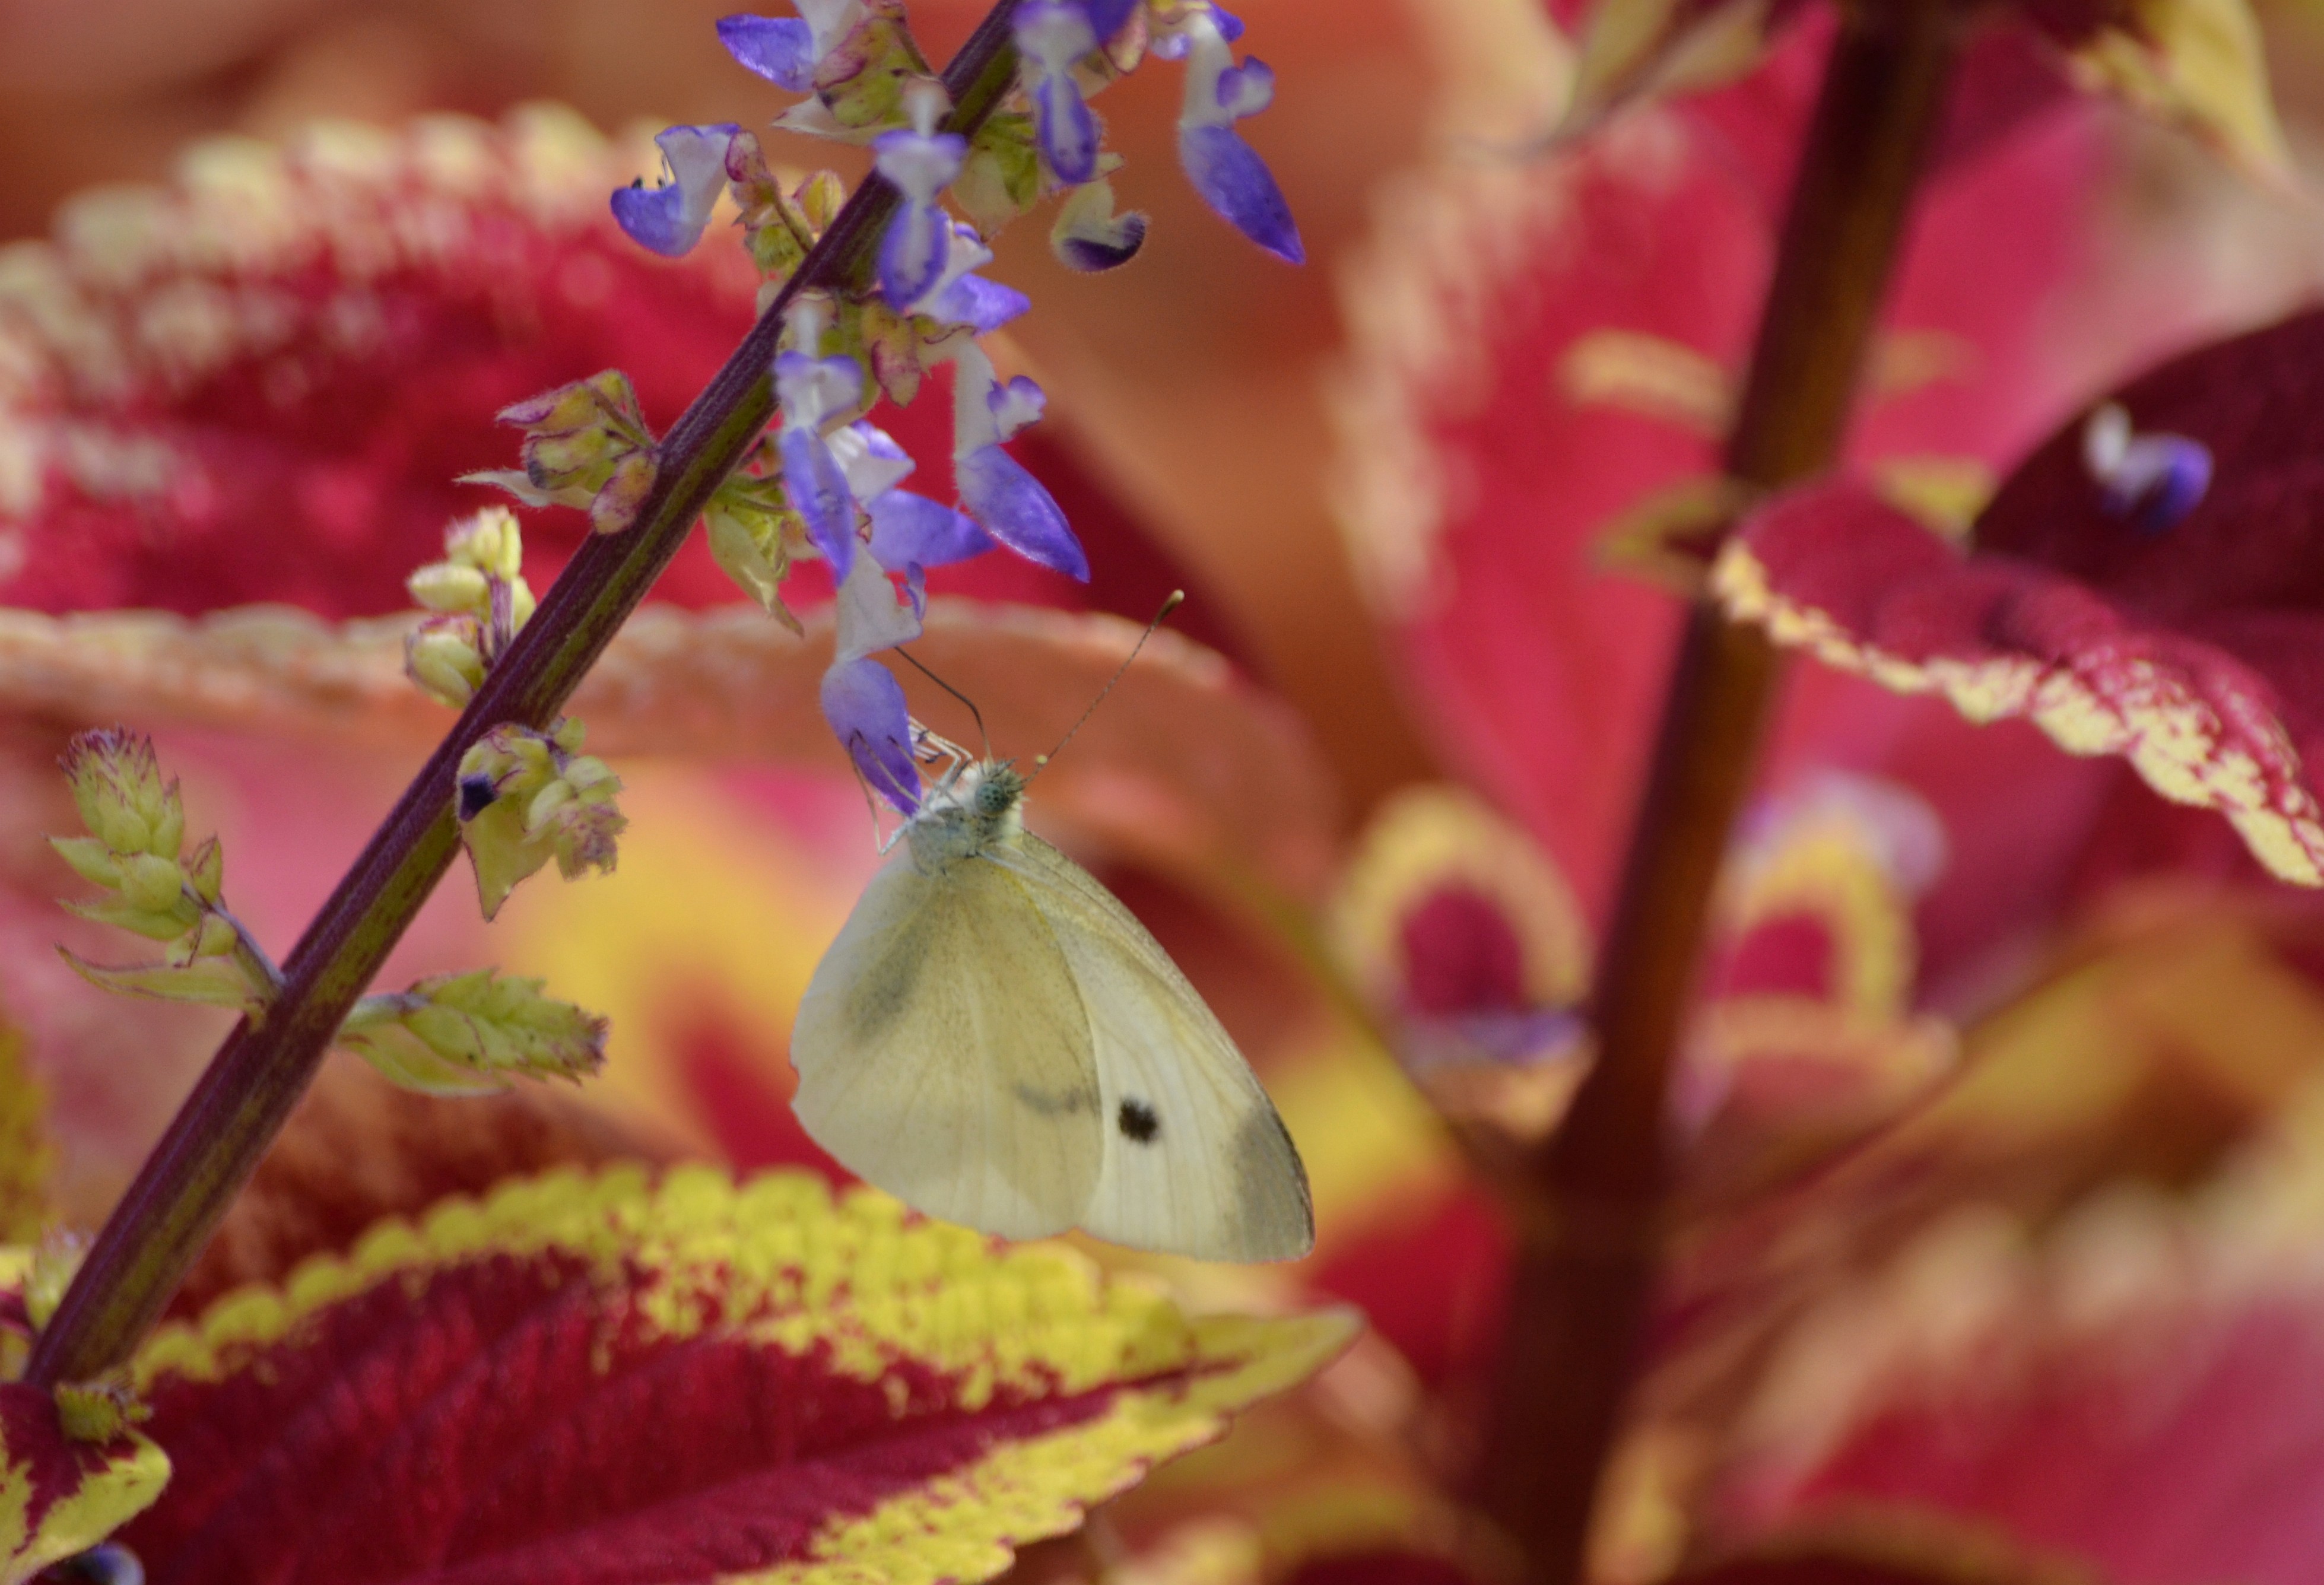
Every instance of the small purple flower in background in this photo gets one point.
(668, 219)
(1089, 236)
(921, 163)
(1055, 35)
(813, 390)
(1006, 500)
(860, 698)
(2159, 478)
(1226, 171)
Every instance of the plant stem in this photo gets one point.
(258, 1075)
(1590, 1228)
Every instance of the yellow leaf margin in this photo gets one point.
(127, 1480)
(779, 1260)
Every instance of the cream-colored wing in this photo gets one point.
(943, 1056)
(1196, 1161)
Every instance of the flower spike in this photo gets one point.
(668, 219)
(1226, 171)
(1052, 35)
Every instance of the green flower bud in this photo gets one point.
(91, 859)
(150, 882)
(442, 658)
(446, 586)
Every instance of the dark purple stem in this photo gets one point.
(1590, 1217)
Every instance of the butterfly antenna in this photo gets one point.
(1041, 762)
(974, 714)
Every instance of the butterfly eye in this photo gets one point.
(1139, 1123)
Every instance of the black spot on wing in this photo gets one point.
(1139, 1123)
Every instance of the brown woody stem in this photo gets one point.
(1591, 1224)
(258, 1075)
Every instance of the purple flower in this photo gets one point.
(864, 705)
(2157, 479)
(812, 389)
(1106, 16)
(668, 219)
(781, 48)
(1055, 34)
(1007, 502)
(909, 533)
(1226, 171)
(1089, 236)
(861, 697)
(913, 250)
(963, 298)
(1172, 42)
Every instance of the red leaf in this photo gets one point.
(590, 1383)
(2196, 652)
(260, 383)
(59, 1496)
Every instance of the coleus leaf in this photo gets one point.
(1478, 490)
(59, 1496)
(2193, 652)
(2133, 1388)
(23, 1146)
(593, 1380)
(2193, 63)
(1222, 773)
(359, 1148)
(261, 383)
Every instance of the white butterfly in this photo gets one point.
(996, 1041)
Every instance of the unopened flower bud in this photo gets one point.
(150, 882)
(442, 658)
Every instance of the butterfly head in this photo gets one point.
(962, 819)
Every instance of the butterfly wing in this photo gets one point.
(1195, 1161)
(943, 1056)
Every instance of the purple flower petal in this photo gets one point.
(920, 165)
(1106, 16)
(2161, 478)
(983, 306)
(1015, 510)
(864, 704)
(818, 493)
(781, 48)
(811, 390)
(1236, 183)
(1016, 405)
(668, 219)
(1066, 130)
(1089, 236)
(868, 617)
(910, 531)
(912, 254)
(1246, 89)
(871, 460)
